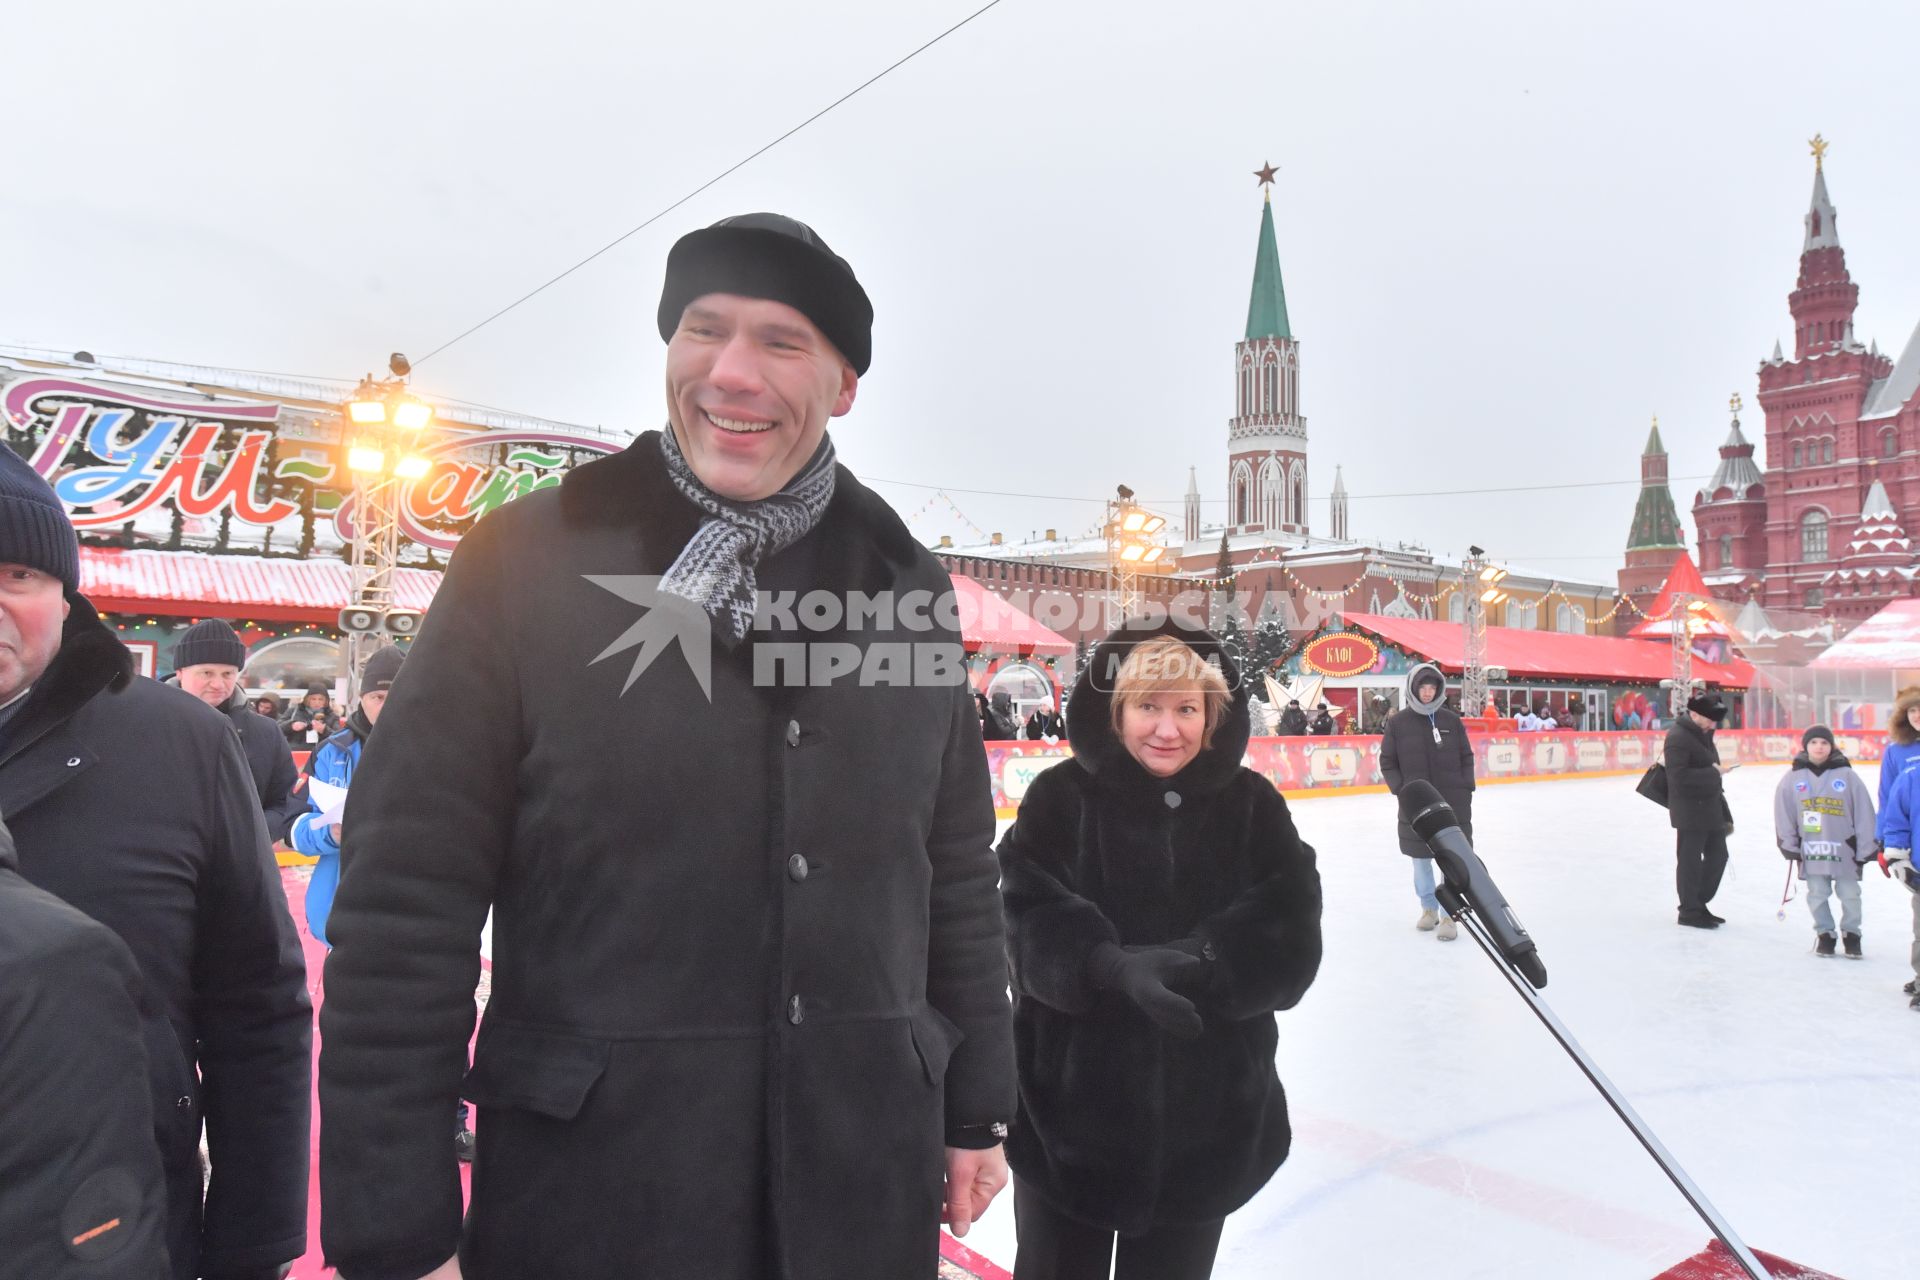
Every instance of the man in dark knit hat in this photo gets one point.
(1697, 808)
(132, 802)
(206, 663)
(749, 1012)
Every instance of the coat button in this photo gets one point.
(793, 733)
(183, 1103)
(794, 1012)
(73, 762)
(1173, 799)
(797, 868)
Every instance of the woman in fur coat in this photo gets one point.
(1160, 910)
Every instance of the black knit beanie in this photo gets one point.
(1709, 705)
(34, 529)
(377, 676)
(1818, 731)
(209, 640)
(769, 255)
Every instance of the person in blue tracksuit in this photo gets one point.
(1903, 747)
(334, 764)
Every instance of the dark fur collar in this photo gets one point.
(632, 488)
(91, 661)
(1099, 750)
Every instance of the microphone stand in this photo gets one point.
(1457, 907)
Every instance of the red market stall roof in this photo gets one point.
(1684, 579)
(991, 623)
(1547, 655)
(1888, 641)
(257, 587)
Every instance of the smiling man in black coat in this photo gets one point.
(749, 1014)
(131, 801)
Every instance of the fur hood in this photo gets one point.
(1090, 715)
(1903, 732)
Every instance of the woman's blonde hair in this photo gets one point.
(1164, 664)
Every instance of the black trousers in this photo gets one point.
(1700, 857)
(1056, 1247)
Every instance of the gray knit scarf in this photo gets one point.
(716, 568)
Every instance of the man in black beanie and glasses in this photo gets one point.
(749, 1013)
(132, 802)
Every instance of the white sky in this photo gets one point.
(1510, 232)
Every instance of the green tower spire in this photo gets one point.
(1656, 524)
(1267, 313)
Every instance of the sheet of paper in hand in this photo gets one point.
(331, 799)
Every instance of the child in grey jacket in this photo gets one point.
(1823, 820)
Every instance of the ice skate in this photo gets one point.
(1447, 930)
(1852, 943)
(1823, 945)
(1427, 920)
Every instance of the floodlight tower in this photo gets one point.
(383, 423)
(1481, 581)
(1130, 530)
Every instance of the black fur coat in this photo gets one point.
(1119, 1124)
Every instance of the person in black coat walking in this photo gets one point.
(81, 1195)
(131, 801)
(1427, 741)
(749, 1014)
(207, 661)
(1697, 808)
(1161, 908)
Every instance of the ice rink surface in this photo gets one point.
(1439, 1130)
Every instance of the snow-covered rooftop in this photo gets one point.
(1891, 393)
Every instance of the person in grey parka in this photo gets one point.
(1821, 817)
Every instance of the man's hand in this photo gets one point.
(974, 1178)
(334, 831)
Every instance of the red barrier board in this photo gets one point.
(1330, 765)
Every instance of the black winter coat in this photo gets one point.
(1409, 751)
(1696, 795)
(1293, 723)
(269, 760)
(130, 801)
(1121, 1125)
(77, 1158)
(748, 957)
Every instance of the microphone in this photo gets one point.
(1433, 820)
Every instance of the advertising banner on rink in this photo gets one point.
(1330, 765)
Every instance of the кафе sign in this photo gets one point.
(112, 455)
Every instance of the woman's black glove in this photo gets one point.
(1153, 980)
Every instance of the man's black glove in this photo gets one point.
(1152, 979)
(1789, 854)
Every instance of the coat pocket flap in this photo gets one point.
(545, 1072)
(935, 1037)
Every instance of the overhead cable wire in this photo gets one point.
(631, 232)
